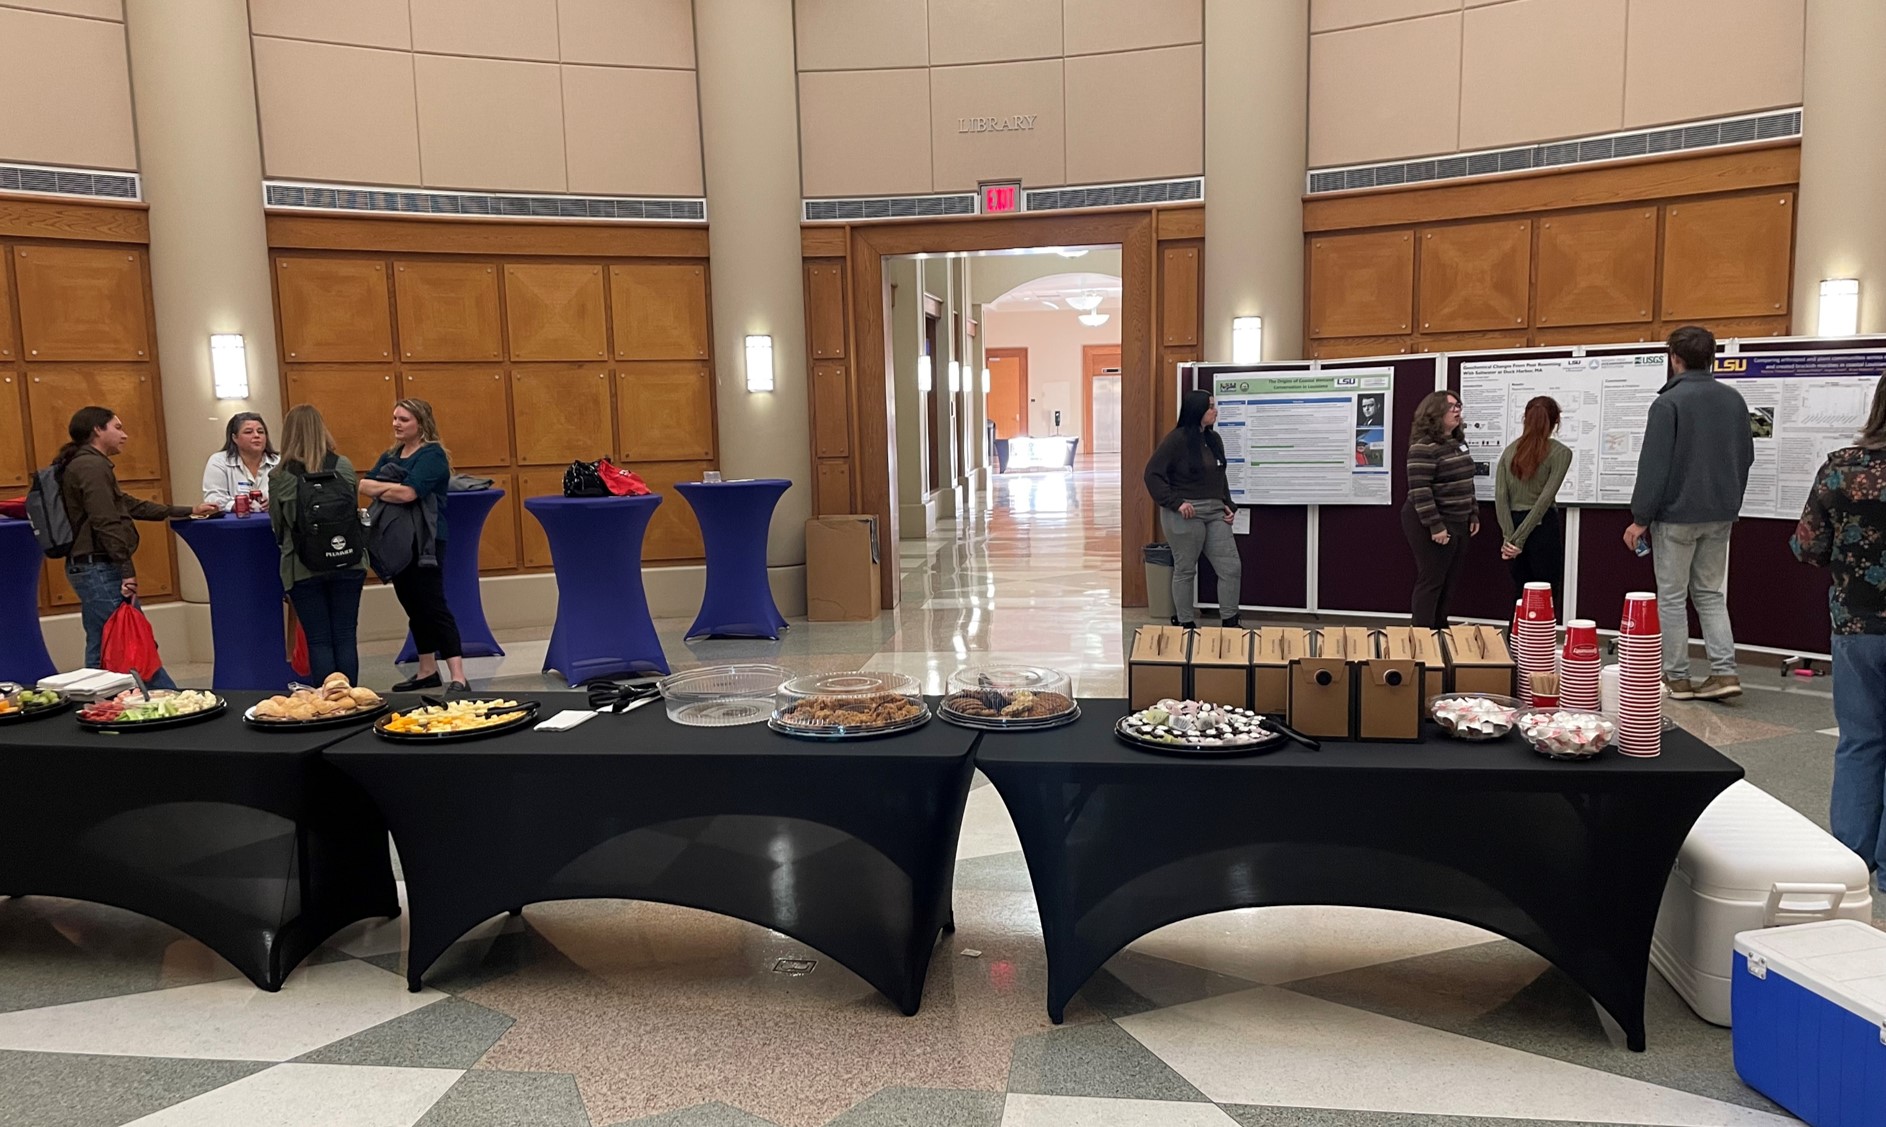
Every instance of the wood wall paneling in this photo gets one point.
(81, 303)
(1743, 327)
(536, 483)
(333, 310)
(472, 407)
(356, 402)
(665, 411)
(660, 311)
(831, 411)
(1350, 347)
(9, 348)
(1166, 403)
(1595, 334)
(497, 549)
(26, 218)
(673, 532)
(825, 309)
(832, 490)
(16, 465)
(1470, 342)
(1597, 267)
(484, 237)
(1475, 276)
(561, 414)
(447, 310)
(1362, 284)
(1728, 257)
(1179, 284)
(555, 311)
(55, 392)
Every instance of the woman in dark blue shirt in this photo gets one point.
(427, 467)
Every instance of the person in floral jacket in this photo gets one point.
(1843, 528)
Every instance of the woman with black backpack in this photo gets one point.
(314, 510)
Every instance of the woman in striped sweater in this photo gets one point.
(1441, 512)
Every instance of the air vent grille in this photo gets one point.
(1744, 130)
(69, 182)
(889, 207)
(481, 205)
(1189, 190)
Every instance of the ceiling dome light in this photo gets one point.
(1086, 303)
(1064, 252)
(1093, 320)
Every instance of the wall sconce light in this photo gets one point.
(1247, 340)
(1840, 307)
(229, 366)
(985, 381)
(924, 383)
(956, 378)
(759, 363)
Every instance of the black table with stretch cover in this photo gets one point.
(246, 841)
(1569, 859)
(848, 847)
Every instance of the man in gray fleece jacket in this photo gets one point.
(1691, 475)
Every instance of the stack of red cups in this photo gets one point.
(1640, 677)
(1536, 636)
(1579, 664)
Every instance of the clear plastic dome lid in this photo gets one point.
(1014, 692)
(855, 684)
(851, 703)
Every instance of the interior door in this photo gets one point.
(1105, 438)
(1008, 391)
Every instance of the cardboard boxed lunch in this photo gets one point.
(1156, 670)
(1391, 671)
(1273, 648)
(841, 568)
(1478, 661)
(1221, 666)
(1320, 701)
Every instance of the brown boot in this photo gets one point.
(1680, 688)
(1719, 688)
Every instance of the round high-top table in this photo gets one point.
(735, 516)
(602, 627)
(465, 515)
(243, 565)
(24, 657)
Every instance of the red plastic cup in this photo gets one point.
(1640, 615)
(1535, 603)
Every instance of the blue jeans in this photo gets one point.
(97, 586)
(1858, 810)
(329, 609)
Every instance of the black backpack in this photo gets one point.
(45, 508)
(327, 532)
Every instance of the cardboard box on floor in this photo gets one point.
(1478, 661)
(1320, 687)
(841, 568)
(1156, 670)
(1273, 649)
(1221, 666)
(1391, 679)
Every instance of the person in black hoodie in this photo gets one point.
(1186, 477)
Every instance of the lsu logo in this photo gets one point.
(1732, 364)
(1346, 381)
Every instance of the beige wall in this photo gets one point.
(68, 84)
(1054, 341)
(1114, 87)
(580, 96)
(1403, 78)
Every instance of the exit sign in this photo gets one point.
(1000, 197)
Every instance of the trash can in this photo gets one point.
(1158, 581)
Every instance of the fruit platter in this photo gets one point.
(336, 702)
(136, 711)
(18, 703)
(1198, 728)
(448, 720)
(1009, 698)
(1477, 717)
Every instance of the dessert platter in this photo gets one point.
(18, 703)
(445, 721)
(1198, 728)
(135, 710)
(848, 706)
(1566, 733)
(337, 702)
(1009, 698)
(1476, 717)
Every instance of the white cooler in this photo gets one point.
(1750, 862)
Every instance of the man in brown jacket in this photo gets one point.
(104, 538)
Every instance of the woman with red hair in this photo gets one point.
(1525, 498)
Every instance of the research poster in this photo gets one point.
(1308, 437)
(1801, 406)
(1603, 401)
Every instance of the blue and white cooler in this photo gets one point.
(1810, 1020)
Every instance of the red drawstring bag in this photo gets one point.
(621, 482)
(298, 659)
(14, 507)
(128, 646)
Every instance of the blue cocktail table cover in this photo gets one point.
(603, 627)
(242, 563)
(23, 656)
(465, 515)
(735, 517)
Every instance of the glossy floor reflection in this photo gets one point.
(603, 1013)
